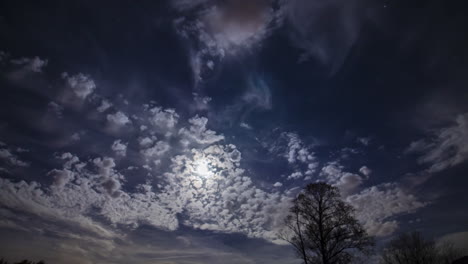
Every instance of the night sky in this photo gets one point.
(178, 131)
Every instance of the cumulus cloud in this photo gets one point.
(277, 184)
(61, 177)
(200, 185)
(81, 85)
(347, 182)
(155, 150)
(296, 151)
(35, 64)
(198, 133)
(10, 158)
(445, 148)
(163, 119)
(118, 119)
(300, 157)
(224, 199)
(97, 187)
(119, 148)
(295, 175)
(378, 206)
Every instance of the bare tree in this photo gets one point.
(322, 229)
(414, 249)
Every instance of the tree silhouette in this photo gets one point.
(322, 228)
(414, 249)
(25, 261)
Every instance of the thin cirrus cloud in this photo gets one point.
(221, 29)
(445, 147)
(325, 31)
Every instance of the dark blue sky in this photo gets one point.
(178, 131)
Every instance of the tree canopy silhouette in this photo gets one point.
(413, 248)
(322, 228)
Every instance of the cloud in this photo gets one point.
(324, 30)
(245, 125)
(364, 140)
(118, 119)
(35, 64)
(444, 148)
(105, 104)
(20, 70)
(224, 200)
(119, 148)
(365, 171)
(347, 182)
(301, 159)
(81, 85)
(277, 184)
(96, 187)
(258, 94)
(92, 200)
(61, 177)
(88, 191)
(162, 119)
(201, 102)
(31, 199)
(221, 28)
(155, 150)
(235, 23)
(199, 181)
(10, 158)
(67, 244)
(377, 207)
(295, 175)
(296, 151)
(198, 133)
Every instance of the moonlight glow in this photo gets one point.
(202, 167)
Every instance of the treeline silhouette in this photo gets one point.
(322, 229)
(3, 261)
